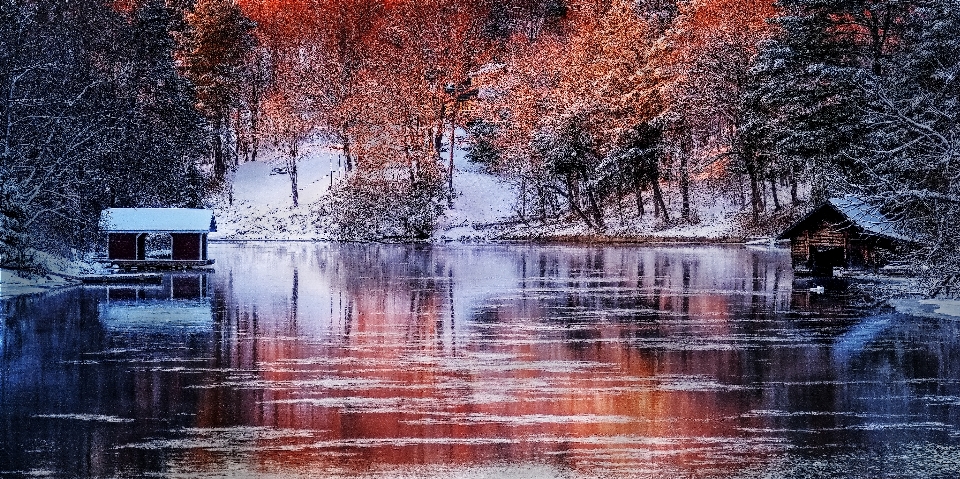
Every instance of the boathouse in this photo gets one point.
(843, 232)
(128, 229)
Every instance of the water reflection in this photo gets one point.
(366, 360)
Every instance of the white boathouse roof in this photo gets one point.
(157, 220)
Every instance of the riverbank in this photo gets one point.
(718, 229)
(60, 273)
(17, 283)
(903, 293)
(485, 207)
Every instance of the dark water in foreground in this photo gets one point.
(319, 360)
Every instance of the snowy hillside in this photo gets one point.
(483, 207)
(262, 206)
(481, 200)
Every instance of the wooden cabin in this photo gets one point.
(843, 232)
(127, 231)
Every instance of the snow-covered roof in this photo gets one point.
(859, 213)
(865, 216)
(166, 220)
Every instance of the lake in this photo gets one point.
(476, 361)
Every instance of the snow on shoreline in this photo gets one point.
(259, 205)
(948, 307)
(62, 272)
(262, 205)
(928, 308)
(484, 206)
(16, 283)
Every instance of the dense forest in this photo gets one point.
(590, 107)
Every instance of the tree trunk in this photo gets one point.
(620, 202)
(574, 199)
(741, 193)
(239, 147)
(684, 188)
(453, 143)
(543, 202)
(793, 186)
(347, 157)
(595, 209)
(660, 207)
(755, 200)
(254, 132)
(523, 198)
(219, 162)
(292, 172)
(638, 189)
(773, 192)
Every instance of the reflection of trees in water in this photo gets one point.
(904, 372)
(73, 389)
(393, 306)
(359, 342)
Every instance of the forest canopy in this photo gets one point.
(594, 109)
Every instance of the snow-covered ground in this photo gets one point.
(16, 283)
(481, 200)
(484, 206)
(262, 207)
(62, 272)
(716, 220)
(938, 308)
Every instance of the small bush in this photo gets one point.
(375, 206)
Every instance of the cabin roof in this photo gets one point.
(855, 210)
(157, 220)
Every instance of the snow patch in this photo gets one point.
(85, 417)
(928, 308)
(948, 307)
(15, 283)
(259, 204)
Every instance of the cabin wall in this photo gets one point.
(825, 247)
(187, 246)
(819, 238)
(827, 236)
(800, 249)
(869, 251)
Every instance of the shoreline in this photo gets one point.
(901, 297)
(16, 285)
(546, 240)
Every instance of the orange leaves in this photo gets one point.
(704, 59)
(380, 71)
(126, 6)
(281, 22)
(597, 70)
(705, 18)
(704, 27)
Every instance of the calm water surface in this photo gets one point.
(322, 360)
